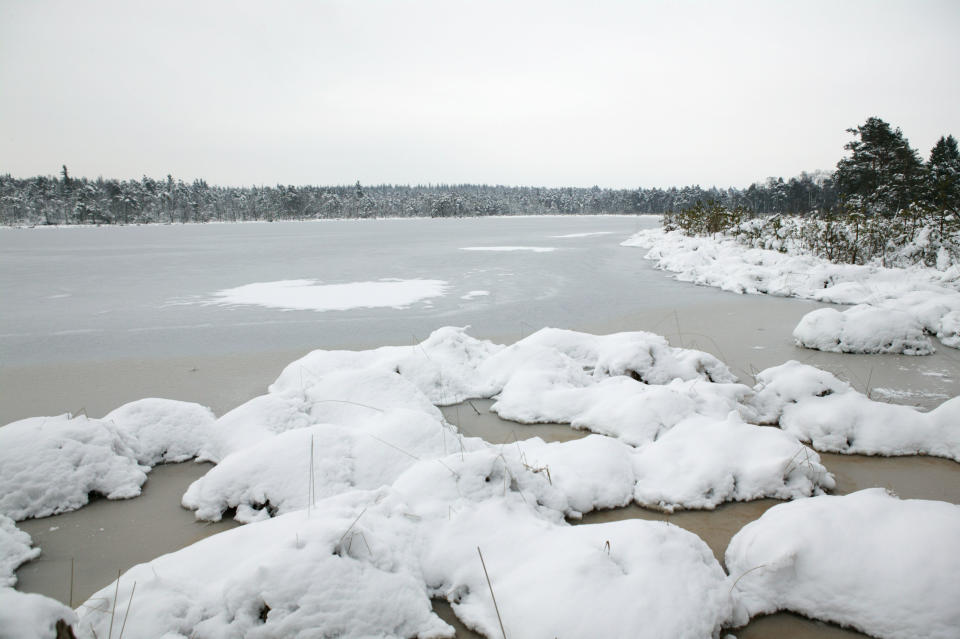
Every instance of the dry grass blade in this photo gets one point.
(113, 609)
(127, 613)
(496, 608)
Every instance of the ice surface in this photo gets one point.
(885, 566)
(311, 295)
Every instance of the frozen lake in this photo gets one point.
(94, 317)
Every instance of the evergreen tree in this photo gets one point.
(943, 180)
(883, 174)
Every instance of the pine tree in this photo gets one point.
(883, 174)
(944, 175)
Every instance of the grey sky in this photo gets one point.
(618, 94)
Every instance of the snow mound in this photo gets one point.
(443, 367)
(50, 465)
(15, 549)
(310, 295)
(165, 430)
(346, 570)
(828, 413)
(701, 463)
(789, 383)
(948, 329)
(275, 476)
(27, 615)
(852, 423)
(885, 566)
(621, 579)
(255, 421)
(862, 329)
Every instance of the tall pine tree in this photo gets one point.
(883, 174)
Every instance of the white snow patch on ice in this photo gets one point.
(533, 249)
(867, 560)
(590, 234)
(474, 294)
(311, 295)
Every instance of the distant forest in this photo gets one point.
(67, 200)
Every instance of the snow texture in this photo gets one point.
(311, 295)
(915, 296)
(50, 465)
(15, 549)
(702, 463)
(820, 409)
(165, 430)
(29, 616)
(381, 554)
(885, 566)
(862, 329)
(275, 476)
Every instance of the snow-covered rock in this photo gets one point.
(701, 463)
(885, 566)
(789, 383)
(165, 430)
(862, 329)
(29, 616)
(50, 465)
(15, 549)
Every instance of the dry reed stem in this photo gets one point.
(492, 596)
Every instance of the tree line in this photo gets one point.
(67, 200)
(891, 207)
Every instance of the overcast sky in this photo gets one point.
(618, 94)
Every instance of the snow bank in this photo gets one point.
(253, 422)
(702, 463)
(915, 296)
(164, 430)
(868, 560)
(15, 549)
(50, 465)
(310, 295)
(820, 409)
(26, 615)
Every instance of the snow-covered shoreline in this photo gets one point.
(894, 309)
(348, 460)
